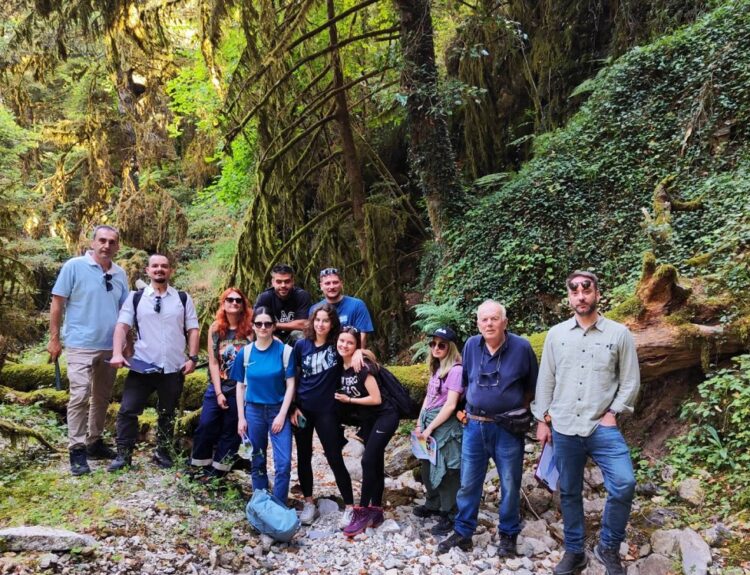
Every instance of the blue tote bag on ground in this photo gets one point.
(271, 517)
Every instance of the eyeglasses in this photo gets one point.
(585, 284)
(441, 345)
(108, 281)
(157, 304)
(234, 299)
(486, 377)
(329, 272)
(266, 324)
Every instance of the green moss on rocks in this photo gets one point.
(632, 307)
(414, 378)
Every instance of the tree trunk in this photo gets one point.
(675, 328)
(431, 156)
(349, 148)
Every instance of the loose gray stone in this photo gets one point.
(696, 554)
(593, 477)
(400, 460)
(593, 506)
(389, 526)
(690, 490)
(666, 542)
(40, 538)
(536, 529)
(326, 507)
(655, 564)
(48, 560)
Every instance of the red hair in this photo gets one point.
(245, 324)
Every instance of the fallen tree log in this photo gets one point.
(674, 324)
(15, 431)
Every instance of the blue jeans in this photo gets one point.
(259, 419)
(609, 451)
(481, 441)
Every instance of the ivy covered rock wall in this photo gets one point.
(657, 158)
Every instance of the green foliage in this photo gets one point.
(716, 442)
(431, 316)
(677, 107)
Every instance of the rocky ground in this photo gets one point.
(162, 522)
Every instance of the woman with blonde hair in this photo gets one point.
(437, 420)
(215, 442)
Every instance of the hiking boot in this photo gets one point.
(124, 459)
(78, 463)
(455, 540)
(507, 546)
(346, 517)
(100, 450)
(610, 558)
(361, 520)
(571, 563)
(376, 514)
(424, 511)
(162, 458)
(309, 513)
(443, 527)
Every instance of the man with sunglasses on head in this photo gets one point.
(165, 325)
(351, 310)
(499, 373)
(90, 290)
(290, 304)
(588, 375)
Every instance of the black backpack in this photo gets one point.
(397, 394)
(137, 299)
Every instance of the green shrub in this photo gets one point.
(716, 445)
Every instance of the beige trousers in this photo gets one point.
(91, 382)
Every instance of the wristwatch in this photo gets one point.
(193, 358)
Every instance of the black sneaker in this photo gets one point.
(571, 563)
(610, 558)
(162, 458)
(124, 459)
(443, 527)
(100, 450)
(507, 547)
(78, 463)
(424, 511)
(455, 540)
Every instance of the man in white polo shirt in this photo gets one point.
(90, 291)
(166, 323)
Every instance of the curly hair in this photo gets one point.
(333, 315)
(245, 324)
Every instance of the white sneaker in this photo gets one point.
(309, 514)
(346, 517)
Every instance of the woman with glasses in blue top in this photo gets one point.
(264, 371)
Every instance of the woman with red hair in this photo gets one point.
(216, 442)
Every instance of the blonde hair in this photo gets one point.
(441, 367)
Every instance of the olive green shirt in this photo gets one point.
(583, 373)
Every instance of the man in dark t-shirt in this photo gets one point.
(289, 304)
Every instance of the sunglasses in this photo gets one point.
(441, 345)
(266, 324)
(329, 272)
(234, 299)
(350, 329)
(108, 281)
(157, 304)
(585, 284)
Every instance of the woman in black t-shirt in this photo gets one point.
(361, 403)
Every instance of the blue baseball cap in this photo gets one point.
(445, 333)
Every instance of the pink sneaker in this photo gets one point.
(361, 520)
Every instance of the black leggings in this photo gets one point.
(378, 433)
(326, 425)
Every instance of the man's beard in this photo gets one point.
(159, 280)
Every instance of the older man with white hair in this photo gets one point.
(500, 371)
